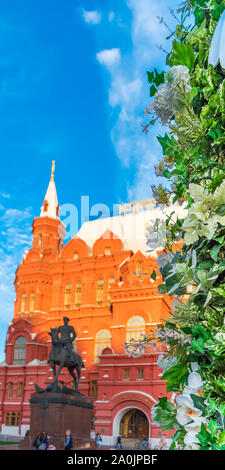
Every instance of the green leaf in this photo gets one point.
(159, 78)
(215, 251)
(199, 402)
(198, 345)
(174, 439)
(182, 54)
(150, 76)
(204, 436)
(212, 427)
(162, 288)
(153, 90)
(168, 145)
(221, 440)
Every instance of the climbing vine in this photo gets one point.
(189, 99)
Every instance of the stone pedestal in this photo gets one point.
(54, 412)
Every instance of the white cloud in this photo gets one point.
(15, 239)
(5, 195)
(128, 92)
(14, 216)
(92, 17)
(109, 57)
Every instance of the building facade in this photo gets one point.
(101, 280)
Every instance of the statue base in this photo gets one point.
(57, 411)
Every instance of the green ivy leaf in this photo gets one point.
(215, 251)
(182, 54)
(168, 144)
(221, 440)
(199, 402)
(198, 345)
(212, 427)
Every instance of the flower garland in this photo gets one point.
(190, 100)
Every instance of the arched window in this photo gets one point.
(10, 390)
(102, 341)
(110, 282)
(32, 301)
(135, 328)
(67, 301)
(99, 296)
(78, 293)
(20, 390)
(20, 351)
(40, 240)
(23, 303)
(75, 255)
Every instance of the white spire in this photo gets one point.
(50, 206)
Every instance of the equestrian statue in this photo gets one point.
(63, 355)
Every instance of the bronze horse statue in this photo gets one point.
(60, 356)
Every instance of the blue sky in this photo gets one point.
(73, 89)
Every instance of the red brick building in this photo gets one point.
(101, 280)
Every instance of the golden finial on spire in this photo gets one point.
(53, 170)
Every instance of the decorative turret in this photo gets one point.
(48, 230)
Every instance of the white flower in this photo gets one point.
(195, 366)
(163, 103)
(156, 234)
(178, 78)
(187, 411)
(191, 439)
(195, 385)
(195, 426)
(165, 363)
(162, 260)
(194, 380)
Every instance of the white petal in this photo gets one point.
(194, 427)
(214, 51)
(184, 400)
(181, 417)
(195, 366)
(190, 439)
(194, 380)
(222, 42)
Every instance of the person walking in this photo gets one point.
(118, 442)
(68, 443)
(98, 440)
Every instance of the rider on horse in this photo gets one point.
(67, 336)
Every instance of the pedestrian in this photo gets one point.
(98, 440)
(44, 441)
(41, 441)
(37, 441)
(68, 443)
(118, 442)
(144, 442)
(162, 442)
